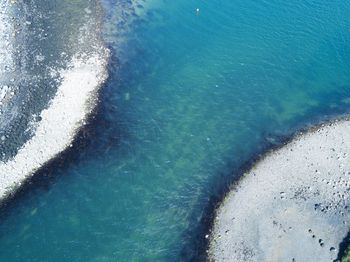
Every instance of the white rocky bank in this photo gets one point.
(293, 205)
(66, 113)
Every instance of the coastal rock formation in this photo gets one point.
(293, 205)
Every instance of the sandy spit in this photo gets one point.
(75, 99)
(293, 205)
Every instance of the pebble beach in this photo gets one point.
(293, 205)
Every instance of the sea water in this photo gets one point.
(191, 97)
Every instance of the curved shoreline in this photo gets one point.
(74, 80)
(221, 239)
(60, 122)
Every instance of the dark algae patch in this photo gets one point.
(344, 250)
(346, 256)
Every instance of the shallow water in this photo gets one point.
(190, 98)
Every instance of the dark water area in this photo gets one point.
(192, 100)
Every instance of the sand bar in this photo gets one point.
(75, 99)
(293, 205)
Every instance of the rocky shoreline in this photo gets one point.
(63, 83)
(292, 205)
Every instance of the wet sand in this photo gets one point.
(293, 205)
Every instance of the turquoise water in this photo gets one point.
(189, 100)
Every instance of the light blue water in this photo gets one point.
(189, 100)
